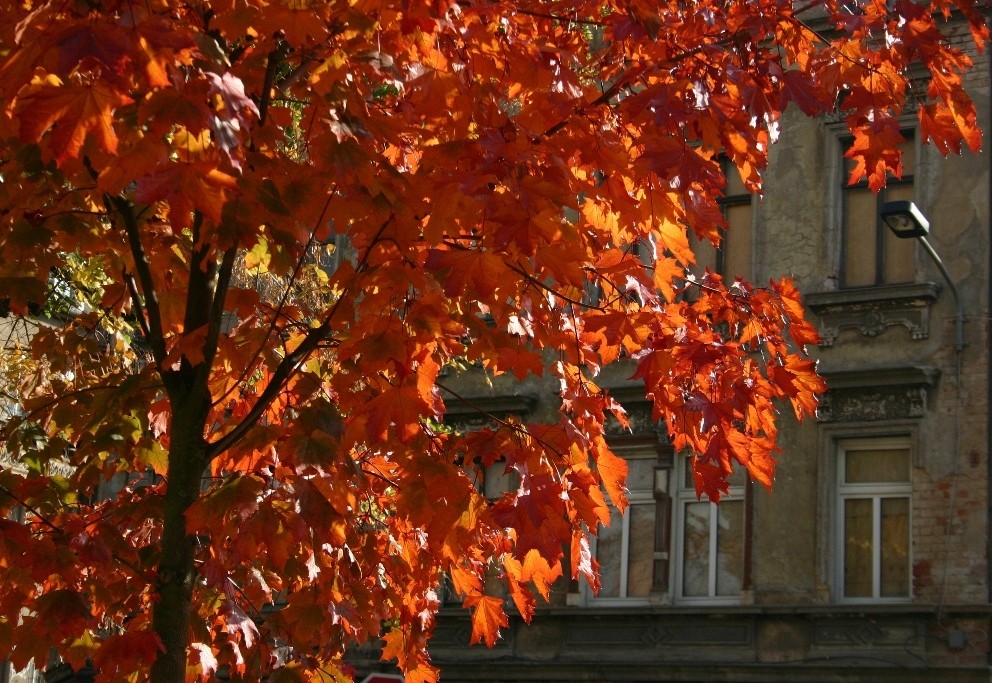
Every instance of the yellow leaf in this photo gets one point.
(258, 258)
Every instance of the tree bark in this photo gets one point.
(189, 398)
(176, 571)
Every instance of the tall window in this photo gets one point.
(733, 257)
(870, 254)
(874, 494)
(710, 542)
(625, 550)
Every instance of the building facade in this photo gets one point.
(869, 559)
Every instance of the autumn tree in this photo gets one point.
(515, 185)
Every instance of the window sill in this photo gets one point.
(730, 611)
(873, 309)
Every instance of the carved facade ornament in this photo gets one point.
(872, 310)
(640, 419)
(874, 633)
(469, 414)
(643, 427)
(882, 394)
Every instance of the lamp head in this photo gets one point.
(905, 220)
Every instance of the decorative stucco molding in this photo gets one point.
(876, 394)
(471, 413)
(873, 309)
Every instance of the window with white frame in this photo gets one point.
(709, 565)
(625, 549)
(873, 516)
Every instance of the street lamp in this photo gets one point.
(906, 221)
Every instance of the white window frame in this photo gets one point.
(684, 496)
(875, 491)
(636, 497)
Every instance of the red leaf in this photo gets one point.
(126, 651)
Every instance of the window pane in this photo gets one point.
(687, 483)
(857, 548)
(865, 466)
(735, 186)
(900, 254)
(499, 481)
(895, 548)
(737, 243)
(609, 548)
(640, 474)
(705, 255)
(730, 547)
(738, 477)
(860, 224)
(908, 149)
(696, 549)
(640, 567)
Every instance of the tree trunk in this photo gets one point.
(176, 573)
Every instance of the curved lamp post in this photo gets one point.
(906, 221)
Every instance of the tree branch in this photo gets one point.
(156, 336)
(272, 62)
(518, 269)
(627, 78)
(505, 424)
(217, 307)
(132, 289)
(202, 271)
(59, 531)
(290, 363)
(282, 300)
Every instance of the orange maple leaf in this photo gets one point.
(75, 110)
(673, 238)
(127, 649)
(875, 151)
(488, 617)
(472, 270)
(187, 187)
(613, 471)
(584, 563)
(401, 408)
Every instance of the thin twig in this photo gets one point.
(557, 17)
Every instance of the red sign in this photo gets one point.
(382, 678)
